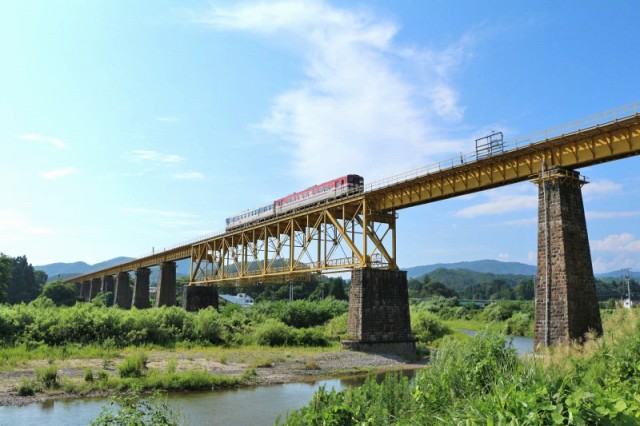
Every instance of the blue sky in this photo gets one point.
(132, 125)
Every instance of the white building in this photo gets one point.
(241, 299)
(628, 303)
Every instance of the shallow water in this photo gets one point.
(243, 406)
(524, 345)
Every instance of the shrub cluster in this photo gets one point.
(276, 323)
(482, 381)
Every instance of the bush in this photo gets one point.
(27, 388)
(48, 376)
(520, 324)
(273, 333)
(209, 326)
(427, 327)
(133, 366)
(88, 375)
(60, 293)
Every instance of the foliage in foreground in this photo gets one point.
(133, 411)
(269, 323)
(482, 381)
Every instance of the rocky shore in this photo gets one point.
(265, 367)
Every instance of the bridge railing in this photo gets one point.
(510, 145)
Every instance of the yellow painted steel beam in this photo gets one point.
(607, 142)
(327, 223)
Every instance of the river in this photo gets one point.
(243, 406)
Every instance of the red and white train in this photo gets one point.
(336, 188)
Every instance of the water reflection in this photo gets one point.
(241, 406)
(524, 345)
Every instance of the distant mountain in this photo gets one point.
(619, 274)
(63, 271)
(485, 266)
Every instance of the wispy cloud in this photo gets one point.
(160, 213)
(34, 137)
(188, 176)
(168, 119)
(504, 200)
(367, 103)
(601, 188)
(15, 226)
(141, 155)
(625, 242)
(58, 173)
(612, 214)
(521, 222)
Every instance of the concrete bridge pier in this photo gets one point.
(86, 290)
(566, 302)
(108, 287)
(167, 285)
(199, 297)
(96, 285)
(141, 289)
(122, 294)
(379, 312)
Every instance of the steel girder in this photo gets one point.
(332, 238)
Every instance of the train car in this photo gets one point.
(249, 216)
(336, 188)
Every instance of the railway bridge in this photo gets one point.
(358, 233)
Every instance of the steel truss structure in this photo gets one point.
(334, 237)
(360, 231)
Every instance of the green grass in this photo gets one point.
(153, 380)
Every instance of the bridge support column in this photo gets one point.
(379, 312)
(108, 287)
(141, 289)
(566, 302)
(96, 284)
(86, 291)
(122, 295)
(199, 297)
(167, 285)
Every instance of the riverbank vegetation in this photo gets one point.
(482, 381)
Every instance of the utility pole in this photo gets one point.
(627, 277)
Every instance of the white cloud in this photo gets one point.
(15, 226)
(166, 218)
(611, 214)
(34, 137)
(503, 256)
(601, 188)
(153, 157)
(500, 204)
(366, 105)
(161, 213)
(58, 173)
(624, 242)
(188, 176)
(522, 222)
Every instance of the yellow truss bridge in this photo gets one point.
(360, 231)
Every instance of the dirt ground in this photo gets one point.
(272, 366)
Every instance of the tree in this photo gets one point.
(5, 277)
(23, 286)
(60, 293)
(524, 290)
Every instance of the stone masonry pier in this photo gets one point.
(566, 303)
(379, 312)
